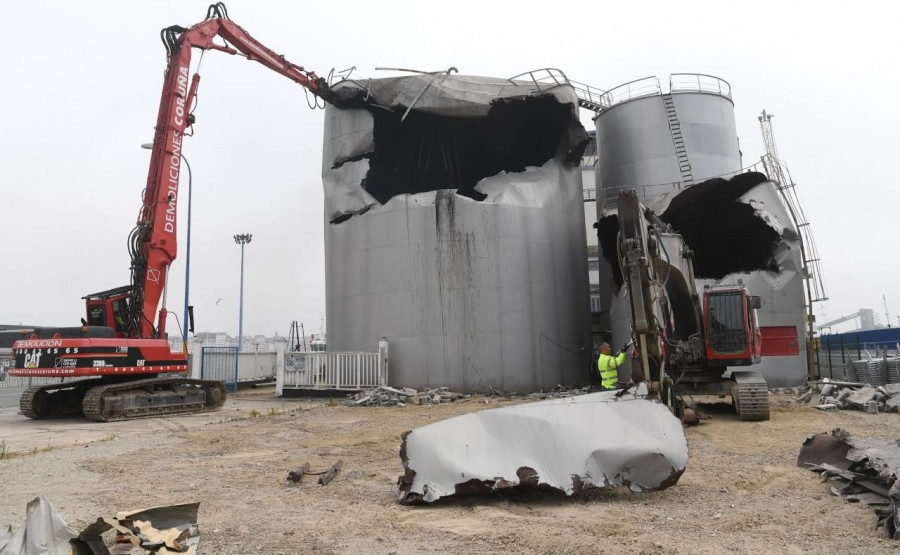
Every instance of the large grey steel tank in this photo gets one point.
(455, 229)
(650, 140)
(660, 144)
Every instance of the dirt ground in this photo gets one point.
(741, 493)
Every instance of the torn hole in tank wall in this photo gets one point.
(726, 235)
(427, 152)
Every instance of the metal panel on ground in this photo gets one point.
(220, 363)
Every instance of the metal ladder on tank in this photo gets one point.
(684, 163)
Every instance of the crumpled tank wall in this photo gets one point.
(479, 287)
(471, 295)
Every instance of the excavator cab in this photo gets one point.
(109, 309)
(732, 333)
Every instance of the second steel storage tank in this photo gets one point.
(648, 139)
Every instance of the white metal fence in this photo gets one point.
(331, 370)
(327, 370)
(256, 366)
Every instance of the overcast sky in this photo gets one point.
(81, 89)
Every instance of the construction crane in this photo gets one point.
(866, 318)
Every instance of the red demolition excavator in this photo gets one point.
(121, 349)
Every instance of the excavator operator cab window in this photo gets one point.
(727, 322)
(120, 313)
(96, 315)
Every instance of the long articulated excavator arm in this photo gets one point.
(153, 241)
(639, 278)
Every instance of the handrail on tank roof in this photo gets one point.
(548, 78)
(678, 83)
(545, 76)
(699, 82)
(645, 86)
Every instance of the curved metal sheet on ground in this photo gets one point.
(557, 444)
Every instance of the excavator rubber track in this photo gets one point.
(151, 398)
(751, 395)
(59, 400)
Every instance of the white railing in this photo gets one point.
(257, 366)
(333, 370)
(542, 79)
(649, 86)
(699, 82)
(310, 370)
(592, 98)
(639, 88)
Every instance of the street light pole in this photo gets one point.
(187, 257)
(187, 265)
(242, 239)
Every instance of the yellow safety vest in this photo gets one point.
(608, 366)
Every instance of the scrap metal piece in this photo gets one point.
(297, 475)
(331, 473)
(863, 464)
(45, 532)
(570, 444)
(325, 476)
(821, 449)
(168, 529)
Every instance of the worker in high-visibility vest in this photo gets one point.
(608, 365)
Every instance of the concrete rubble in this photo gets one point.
(832, 395)
(555, 444)
(859, 470)
(385, 396)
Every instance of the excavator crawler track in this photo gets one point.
(751, 395)
(152, 397)
(59, 400)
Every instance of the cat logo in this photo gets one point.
(33, 359)
(140, 362)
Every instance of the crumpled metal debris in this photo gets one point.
(866, 469)
(45, 532)
(570, 444)
(160, 530)
(325, 476)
